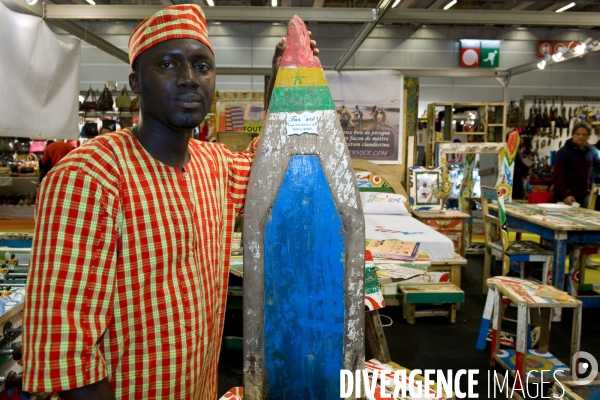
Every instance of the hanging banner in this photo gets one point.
(370, 105)
(40, 79)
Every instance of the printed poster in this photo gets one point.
(370, 105)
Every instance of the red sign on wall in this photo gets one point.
(549, 47)
(470, 52)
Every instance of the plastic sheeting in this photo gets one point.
(39, 85)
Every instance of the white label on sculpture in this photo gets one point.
(299, 124)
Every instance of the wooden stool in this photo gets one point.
(430, 293)
(489, 309)
(525, 296)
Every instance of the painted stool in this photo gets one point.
(430, 293)
(527, 297)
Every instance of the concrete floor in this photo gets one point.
(433, 343)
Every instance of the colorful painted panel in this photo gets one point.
(304, 296)
(237, 393)
(373, 295)
(536, 362)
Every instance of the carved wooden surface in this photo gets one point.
(293, 176)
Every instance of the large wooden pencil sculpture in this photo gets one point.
(303, 241)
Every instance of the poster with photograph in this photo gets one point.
(369, 106)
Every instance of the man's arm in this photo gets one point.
(69, 297)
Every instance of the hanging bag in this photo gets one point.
(105, 102)
(6, 145)
(123, 101)
(38, 146)
(89, 103)
(89, 130)
(22, 145)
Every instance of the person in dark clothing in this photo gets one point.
(573, 167)
(520, 176)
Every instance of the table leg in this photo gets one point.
(521, 349)
(560, 258)
(575, 337)
(376, 336)
(544, 344)
(498, 314)
(488, 316)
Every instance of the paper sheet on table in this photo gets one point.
(391, 248)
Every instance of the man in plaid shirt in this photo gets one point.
(128, 277)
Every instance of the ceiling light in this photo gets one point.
(453, 2)
(542, 64)
(566, 7)
(273, 3)
(31, 2)
(581, 47)
(396, 3)
(210, 3)
(92, 2)
(559, 55)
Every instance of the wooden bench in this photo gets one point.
(430, 293)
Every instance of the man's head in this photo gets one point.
(581, 133)
(173, 66)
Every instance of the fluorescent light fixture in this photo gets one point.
(210, 3)
(559, 55)
(453, 2)
(92, 2)
(273, 3)
(566, 7)
(396, 3)
(581, 47)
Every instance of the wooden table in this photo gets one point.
(526, 297)
(574, 226)
(451, 223)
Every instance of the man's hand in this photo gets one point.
(277, 60)
(569, 200)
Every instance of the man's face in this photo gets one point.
(581, 136)
(176, 82)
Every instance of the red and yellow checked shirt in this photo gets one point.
(129, 267)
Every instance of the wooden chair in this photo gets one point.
(518, 251)
(593, 196)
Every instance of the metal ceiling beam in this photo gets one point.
(337, 15)
(437, 4)
(378, 14)
(243, 14)
(532, 66)
(70, 27)
(555, 6)
(522, 6)
(485, 17)
(404, 4)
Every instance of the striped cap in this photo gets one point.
(183, 21)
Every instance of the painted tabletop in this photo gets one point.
(440, 214)
(574, 219)
(520, 293)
